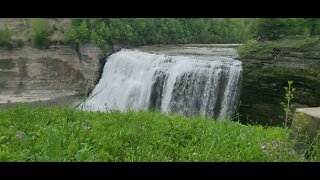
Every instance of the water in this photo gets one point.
(184, 84)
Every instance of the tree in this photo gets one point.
(313, 25)
(71, 36)
(142, 31)
(271, 27)
(84, 32)
(275, 28)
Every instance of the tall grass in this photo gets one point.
(65, 134)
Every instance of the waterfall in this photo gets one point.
(187, 85)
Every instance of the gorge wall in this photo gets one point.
(264, 82)
(29, 74)
(32, 74)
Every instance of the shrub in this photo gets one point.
(70, 37)
(255, 50)
(5, 37)
(39, 32)
(19, 43)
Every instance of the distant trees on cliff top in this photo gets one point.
(148, 31)
(275, 28)
(144, 31)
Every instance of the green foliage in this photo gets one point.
(275, 28)
(313, 26)
(308, 46)
(143, 31)
(71, 37)
(255, 50)
(39, 32)
(19, 43)
(84, 32)
(64, 134)
(306, 136)
(287, 104)
(313, 151)
(5, 37)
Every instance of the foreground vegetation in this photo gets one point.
(64, 134)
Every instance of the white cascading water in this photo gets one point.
(136, 80)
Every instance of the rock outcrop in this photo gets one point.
(264, 82)
(305, 127)
(28, 73)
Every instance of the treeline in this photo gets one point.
(275, 28)
(145, 31)
(149, 31)
(302, 34)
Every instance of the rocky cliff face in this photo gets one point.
(29, 74)
(264, 82)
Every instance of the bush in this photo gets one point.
(39, 32)
(19, 43)
(70, 37)
(5, 37)
(310, 42)
(255, 50)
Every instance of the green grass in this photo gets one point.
(64, 134)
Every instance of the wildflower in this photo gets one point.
(292, 152)
(20, 134)
(263, 147)
(87, 126)
(274, 144)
